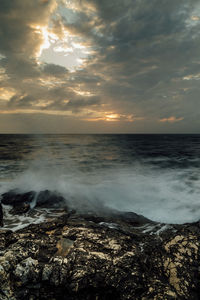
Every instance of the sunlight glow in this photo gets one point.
(192, 77)
(171, 119)
(78, 46)
(43, 103)
(112, 117)
(63, 49)
(195, 18)
(69, 50)
(48, 37)
(6, 94)
(83, 93)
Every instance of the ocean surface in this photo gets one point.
(157, 176)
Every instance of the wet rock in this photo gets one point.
(26, 271)
(131, 218)
(115, 218)
(1, 215)
(4, 238)
(75, 257)
(21, 208)
(22, 202)
(49, 199)
(14, 197)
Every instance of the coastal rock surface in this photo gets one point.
(22, 202)
(1, 215)
(90, 257)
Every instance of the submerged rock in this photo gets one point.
(75, 257)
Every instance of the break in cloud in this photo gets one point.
(99, 66)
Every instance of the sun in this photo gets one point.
(112, 117)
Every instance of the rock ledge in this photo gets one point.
(87, 257)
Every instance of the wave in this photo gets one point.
(168, 196)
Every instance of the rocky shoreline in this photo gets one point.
(99, 256)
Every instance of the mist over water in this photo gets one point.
(157, 176)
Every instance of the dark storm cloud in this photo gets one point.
(144, 59)
(17, 18)
(20, 101)
(54, 70)
(145, 49)
(20, 67)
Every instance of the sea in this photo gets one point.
(155, 175)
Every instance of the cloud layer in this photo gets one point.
(100, 66)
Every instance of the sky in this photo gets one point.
(99, 66)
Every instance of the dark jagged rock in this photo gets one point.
(1, 215)
(21, 202)
(76, 258)
(14, 197)
(112, 216)
(132, 218)
(47, 199)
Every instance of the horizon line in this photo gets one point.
(104, 133)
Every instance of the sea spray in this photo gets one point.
(161, 196)
(119, 172)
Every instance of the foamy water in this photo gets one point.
(93, 173)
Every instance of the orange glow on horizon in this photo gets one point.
(112, 117)
(171, 119)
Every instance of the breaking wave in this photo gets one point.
(163, 195)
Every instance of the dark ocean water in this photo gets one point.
(157, 176)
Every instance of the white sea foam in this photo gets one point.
(169, 196)
(18, 222)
